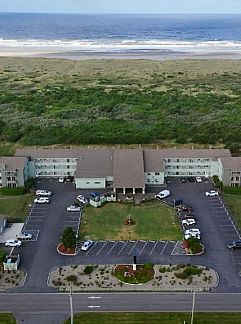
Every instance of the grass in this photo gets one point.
(154, 318)
(234, 203)
(15, 207)
(6, 318)
(7, 149)
(152, 221)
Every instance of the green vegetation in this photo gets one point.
(12, 191)
(232, 190)
(234, 203)
(15, 207)
(188, 272)
(153, 318)
(142, 274)
(217, 182)
(152, 221)
(6, 318)
(7, 149)
(194, 245)
(68, 238)
(55, 101)
(88, 269)
(2, 255)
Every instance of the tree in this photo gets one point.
(68, 238)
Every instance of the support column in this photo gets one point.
(114, 190)
(143, 191)
(134, 191)
(124, 191)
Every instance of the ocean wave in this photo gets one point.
(109, 45)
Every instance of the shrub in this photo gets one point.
(148, 266)
(162, 269)
(68, 238)
(72, 278)
(2, 256)
(88, 269)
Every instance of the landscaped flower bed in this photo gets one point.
(142, 274)
(63, 250)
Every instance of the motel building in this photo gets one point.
(120, 170)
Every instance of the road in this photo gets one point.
(54, 308)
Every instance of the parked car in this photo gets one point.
(163, 194)
(187, 216)
(183, 180)
(23, 236)
(86, 245)
(42, 200)
(61, 180)
(192, 235)
(70, 179)
(193, 230)
(176, 202)
(74, 208)
(188, 221)
(191, 179)
(44, 193)
(82, 199)
(13, 243)
(94, 194)
(211, 193)
(234, 244)
(198, 179)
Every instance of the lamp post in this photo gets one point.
(194, 290)
(71, 305)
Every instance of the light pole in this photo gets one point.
(71, 305)
(193, 304)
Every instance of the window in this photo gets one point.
(149, 173)
(157, 173)
(97, 182)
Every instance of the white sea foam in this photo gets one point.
(113, 45)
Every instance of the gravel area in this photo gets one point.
(167, 278)
(11, 279)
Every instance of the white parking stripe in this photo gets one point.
(154, 247)
(164, 247)
(143, 248)
(122, 248)
(91, 248)
(133, 247)
(101, 248)
(112, 247)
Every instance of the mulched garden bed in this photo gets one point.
(62, 249)
(143, 273)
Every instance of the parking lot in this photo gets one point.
(131, 248)
(47, 223)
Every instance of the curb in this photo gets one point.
(65, 254)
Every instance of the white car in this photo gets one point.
(45, 193)
(42, 200)
(22, 236)
(14, 243)
(192, 235)
(86, 245)
(188, 221)
(198, 179)
(74, 208)
(193, 230)
(81, 199)
(211, 193)
(61, 179)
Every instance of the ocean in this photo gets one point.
(121, 33)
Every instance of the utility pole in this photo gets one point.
(71, 305)
(193, 304)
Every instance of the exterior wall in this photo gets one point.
(90, 183)
(154, 178)
(55, 167)
(187, 167)
(3, 223)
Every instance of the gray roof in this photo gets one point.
(49, 153)
(194, 153)
(233, 163)
(13, 163)
(153, 160)
(94, 164)
(128, 169)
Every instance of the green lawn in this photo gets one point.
(7, 149)
(15, 207)
(156, 318)
(6, 318)
(152, 221)
(234, 203)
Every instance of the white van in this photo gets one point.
(163, 194)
